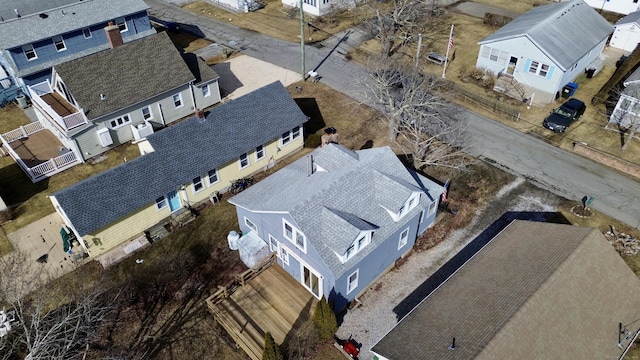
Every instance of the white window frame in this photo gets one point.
(213, 173)
(358, 244)
(116, 123)
(538, 68)
(206, 91)
(274, 244)
(495, 55)
(295, 235)
(59, 40)
(260, 152)
(122, 24)
(290, 135)
(432, 208)
(161, 202)
(86, 32)
(177, 100)
(197, 184)
(243, 161)
(403, 239)
(250, 224)
(149, 115)
(353, 284)
(283, 253)
(29, 49)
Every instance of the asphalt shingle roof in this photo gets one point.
(199, 68)
(565, 31)
(126, 75)
(182, 151)
(633, 17)
(332, 205)
(536, 290)
(63, 16)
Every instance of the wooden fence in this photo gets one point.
(489, 103)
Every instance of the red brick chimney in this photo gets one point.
(113, 35)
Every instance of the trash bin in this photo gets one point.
(22, 101)
(569, 89)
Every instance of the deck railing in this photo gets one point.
(66, 123)
(22, 132)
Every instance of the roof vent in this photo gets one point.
(43, 16)
(102, 97)
(17, 12)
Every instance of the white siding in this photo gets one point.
(626, 37)
(617, 6)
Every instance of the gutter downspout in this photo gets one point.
(193, 98)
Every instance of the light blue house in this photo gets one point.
(338, 219)
(36, 35)
(540, 52)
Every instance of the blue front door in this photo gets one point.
(174, 200)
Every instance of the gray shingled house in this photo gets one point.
(541, 51)
(535, 291)
(121, 94)
(338, 218)
(182, 165)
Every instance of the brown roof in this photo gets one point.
(537, 290)
(129, 74)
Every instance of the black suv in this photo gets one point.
(561, 117)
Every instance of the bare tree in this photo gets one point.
(398, 23)
(53, 319)
(626, 113)
(419, 118)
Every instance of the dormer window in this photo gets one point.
(360, 243)
(122, 24)
(58, 41)
(29, 52)
(408, 205)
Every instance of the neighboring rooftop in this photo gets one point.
(62, 16)
(565, 31)
(536, 290)
(118, 74)
(229, 130)
(633, 17)
(345, 195)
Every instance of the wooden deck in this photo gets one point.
(39, 147)
(269, 301)
(59, 104)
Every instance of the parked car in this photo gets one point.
(561, 117)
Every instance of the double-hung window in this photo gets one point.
(122, 24)
(250, 224)
(243, 160)
(177, 100)
(539, 69)
(352, 281)
(404, 238)
(212, 176)
(259, 153)
(87, 33)
(161, 202)
(147, 113)
(206, 91)
(197, 184)
(118, 122)
(58, 41)
(294, 235)
(29, 52)
(290, 135)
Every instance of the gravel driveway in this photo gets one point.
(398, 291)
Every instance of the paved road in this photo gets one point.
(562, 172)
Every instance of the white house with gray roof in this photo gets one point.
(539, 52)
(100, 101)
(626, 33)
(338, 218)
(36, 35)
(616, 6)
(181, 166)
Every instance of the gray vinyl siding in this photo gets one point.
(205, 102)
(169, 111)
(384, 255)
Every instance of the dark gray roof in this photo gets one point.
(633, 17)
(199, 68)
(230, 130)
(565, 31)
(535, 291)
(63, 16)
(126, 75)
(341, 198)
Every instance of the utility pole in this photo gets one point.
(304, 73)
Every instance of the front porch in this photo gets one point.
(37, 151)
(263, 299)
